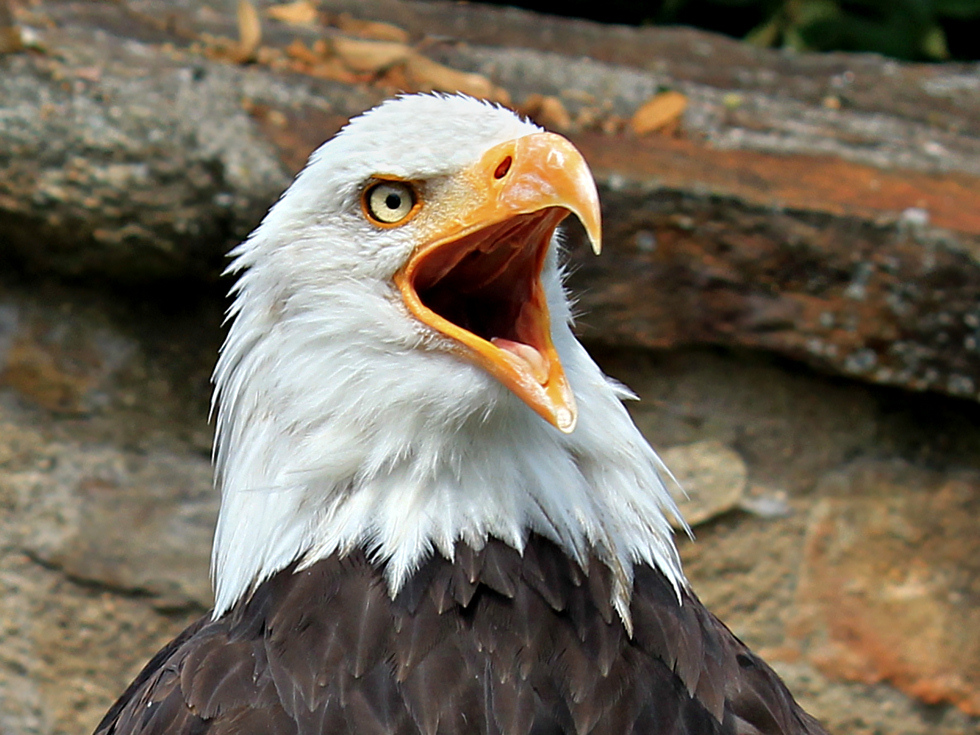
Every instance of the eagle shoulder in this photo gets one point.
(495, 641)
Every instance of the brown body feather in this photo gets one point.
(495, 643)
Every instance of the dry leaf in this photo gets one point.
(396, 78)
(430, 75)
(297, 50)
(334, 69)
(249, 31)
(371, 29)
(272, 57)
(658, 112)
(370, 56)
(389, 63)
(299, 13)
(321, 48)
(318, 62)
(612, 124)
(548, 111)
(588, 117)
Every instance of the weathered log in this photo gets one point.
(821, 206)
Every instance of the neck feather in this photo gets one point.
(337, 431)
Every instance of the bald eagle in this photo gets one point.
(436, 515)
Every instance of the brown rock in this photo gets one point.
(10, 40)
(54, 361)
(124, 521)
(82, 607)
(712, 476)
(843, 237)
(106, 513)
(890, 583)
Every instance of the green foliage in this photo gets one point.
(904, 29)
(924, 30)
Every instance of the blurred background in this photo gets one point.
(790, 282)
(915, 30)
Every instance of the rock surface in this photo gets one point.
(891, 580)
(106, 505)
(819, 206)
(820, 590)
(711, 479)
(105, 497)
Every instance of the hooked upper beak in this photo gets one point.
(477, 277)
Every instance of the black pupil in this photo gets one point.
(393, 201)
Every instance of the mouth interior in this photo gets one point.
(487, 282)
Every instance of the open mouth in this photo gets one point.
(482, 289)
(478, 280)
(488, 283)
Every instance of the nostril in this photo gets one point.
(502, 168)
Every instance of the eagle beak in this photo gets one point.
(477, 278)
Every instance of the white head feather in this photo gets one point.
(342, 421)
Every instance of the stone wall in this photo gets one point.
(789, 283)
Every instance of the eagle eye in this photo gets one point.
(388, 203)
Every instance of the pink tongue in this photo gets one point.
(528, 355)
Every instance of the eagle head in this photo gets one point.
(400, 372)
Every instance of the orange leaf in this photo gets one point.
(371, 29)
(658, 112)
(298, 50)
(429, 75)
(299, 13)
(335, 70)
(370, 56)
(547, 111)
(249, 30)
